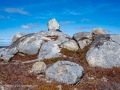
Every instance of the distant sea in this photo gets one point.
(3, 46)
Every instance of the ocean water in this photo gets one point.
(5, 42)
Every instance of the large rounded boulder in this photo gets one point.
(65, 72)
(104, 51)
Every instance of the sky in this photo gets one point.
(28, 16)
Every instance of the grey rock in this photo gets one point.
(6, 54)
(49, 50)
(83, 39)
(17, 36)
(31, 44)
(98, 31)
(39, 67)
(65, 72)
(70, 45)
(104, 51)
(53, 25)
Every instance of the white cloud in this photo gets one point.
(66, 22)
(5, 42)
(25, 27)
(2, 17)
(69, 12)
(28, 26)
(16, 10)
(85, 20)
(74, 13)
(41, 17)
(83, 27)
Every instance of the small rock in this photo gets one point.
(83, 39)
(59, 87)
(98, 31)
(71, 45)
(39, 67)
(104, 79)
(53, 25)
(75, 89)
(16, 37)
(65, 72)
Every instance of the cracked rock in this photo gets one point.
(65, 72)
(83, 39)
(104, 51)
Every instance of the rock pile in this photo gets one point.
(104, 51)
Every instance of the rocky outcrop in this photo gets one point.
(104, 51)
(47, 44)
(17, 36)
(7, 54)
(98, 31)
(41, 42)
(53, 25)
(39, 67)
(83, 39)
(65, 72)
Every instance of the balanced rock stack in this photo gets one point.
(53, 25)
(48, 44)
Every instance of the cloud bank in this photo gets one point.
(16, 10)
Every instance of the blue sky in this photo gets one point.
(27, 16)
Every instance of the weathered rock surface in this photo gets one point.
(98, 31)
(70, 45)
(7, 54)
(49, 50)
(17, 36)
(104, 51)
(65, 72)
(39, 67)
(53, 25)
(33, 43)
(83, 39)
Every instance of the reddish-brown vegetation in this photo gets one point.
(24, 58)
(94, 78)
